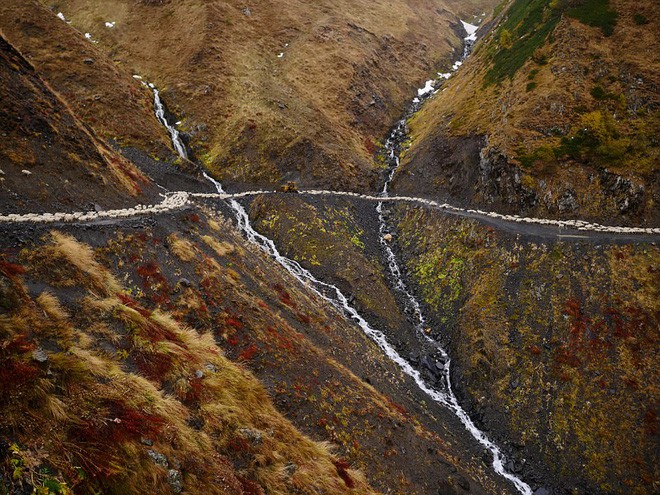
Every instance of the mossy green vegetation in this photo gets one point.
(526, 26)
(552, 340)
(597, 13)
(318, 237)
(529, 23)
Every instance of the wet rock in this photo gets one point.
(246, 12)
(158, 458)
(211, 367)
(542, 491)
(88, 61)
(147, 441)
(184, 282)
(463, 483)
(199, 374)
(567, 202)
(40, 355)
(290, 468)
(254, 436)
(174, 479)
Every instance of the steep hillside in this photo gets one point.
(124, 357)
(98, 91)
(555, 114)
(277, 90)
(49, 159)
(555, 345)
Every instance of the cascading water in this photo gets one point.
(174, 134)
(447, 396)
(334, 296)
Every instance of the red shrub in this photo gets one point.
(99, 438)
(195, 393)
(14, 376)
(148, 270)
(250, 487)
(154, 366)
(248, 353)
(121, 424)
(303, 318)
(281, 341)
(239, 445)
(284, 296)
(573, 309)
(534, 349)
(565, 356)
(18, 345)
(370, 145)
(11, 269)
(234, 322)
(342, 466)
(650, 422)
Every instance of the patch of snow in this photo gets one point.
(427, 88)
(444, 75)
(110, 24)
(281, 54)
(456, 65)
(415, 100)
(135, 76)
(471, 31)
(60, 15)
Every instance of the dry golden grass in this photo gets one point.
(256, 117)
(221, 248)
(182, 248)
(93, 408)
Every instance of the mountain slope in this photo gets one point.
(100, 92)
(278, 90)
(49, 159)
(194, 308)
(554, 114)
(555, 346)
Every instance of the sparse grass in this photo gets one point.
(118, 403)
(561, 322)
(182, 248)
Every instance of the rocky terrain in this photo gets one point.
(554, 115)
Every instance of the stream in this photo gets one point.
(333, 294)
(393, 147)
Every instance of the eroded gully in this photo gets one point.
(444, 394)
